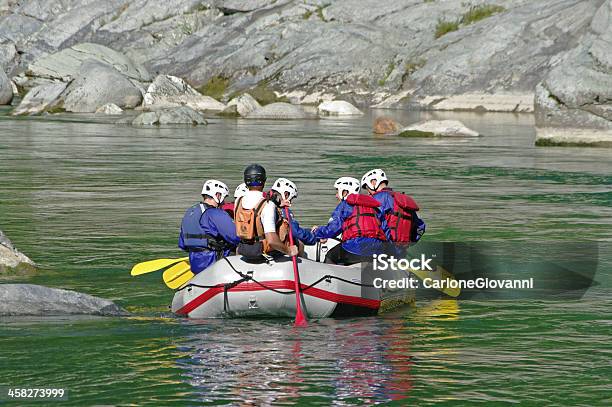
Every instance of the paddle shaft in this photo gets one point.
(300, 317)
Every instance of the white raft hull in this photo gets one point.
(338, 290)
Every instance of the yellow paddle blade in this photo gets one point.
(442, 276)
(154, 265)
(178, 275)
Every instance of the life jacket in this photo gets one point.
(363, 221)
(195, 237)
(403, 220)
(250, 229)
(229, 208)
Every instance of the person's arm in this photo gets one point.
(268, 221)
(303, 235)
(181, 242)
(225, 227)
(334, 226)
(385, 227)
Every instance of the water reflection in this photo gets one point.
(366, 360)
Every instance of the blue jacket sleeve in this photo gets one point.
(334, 226)
(220, 224)
(303, 235)
(181, 242)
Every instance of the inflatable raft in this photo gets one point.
(233, 287)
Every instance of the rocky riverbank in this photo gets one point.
(11, 259)
(496, 55)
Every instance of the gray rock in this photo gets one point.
(280, 111)
(176, 115)
(438, 128)
(36, 300)
(573, 104)
(66, 64)
(41, 98)
(6, 90)
(109, 108)
(97, 84)
(338, 108)
(170, 91)
(12, 259)
(245, 104)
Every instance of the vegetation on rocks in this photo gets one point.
(473, 15)
(416, 133)
(215, 87)
(264, 95)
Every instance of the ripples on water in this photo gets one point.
(88, 200)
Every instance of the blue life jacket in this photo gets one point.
(194, 235)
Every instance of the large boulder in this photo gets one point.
(177, 115)
(338, 108)
(97, 84)
(6, 90)
(41, 98)
(12, 259)
(170, 91)
(66, 64)
(438, 128)
(245, 104)
(280, 111)
(574, 102)
(36, 300)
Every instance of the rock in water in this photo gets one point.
(36, 300)
(573, 104)
(280, 111)
(97, 84)
(245, 104)
(386, 125)
(438, 128)
(6, 90)
(109, 108)
(170, 91)
(12, 259)
(41, 98)
(338, 108)
(66, 64)
(177, 115)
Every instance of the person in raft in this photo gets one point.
(361, 222)
(259, 224)
(207, 231)
(400, 210)
(284, 189)
(240, 191)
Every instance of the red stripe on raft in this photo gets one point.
(279, 285)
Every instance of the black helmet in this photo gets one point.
(254, 175)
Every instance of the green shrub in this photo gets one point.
(444, 27)
(265, 95)
(477, 13)
(215, 87)
(416, 133)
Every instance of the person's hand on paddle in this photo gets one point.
(293, 251)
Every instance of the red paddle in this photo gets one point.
(300, 318)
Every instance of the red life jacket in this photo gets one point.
(229, 208)
(363, 221)
(401, 218)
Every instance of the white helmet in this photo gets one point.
(212, 187)
(240, 191)
(377, 175)
(348, 184)
(282, 186)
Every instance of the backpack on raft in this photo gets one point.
(403, 222)
(364, 220)
(195, 237)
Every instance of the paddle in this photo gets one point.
(300, 318)
(438, 274)
(177, 275)
(154, 265)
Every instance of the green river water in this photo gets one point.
(87, 199)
